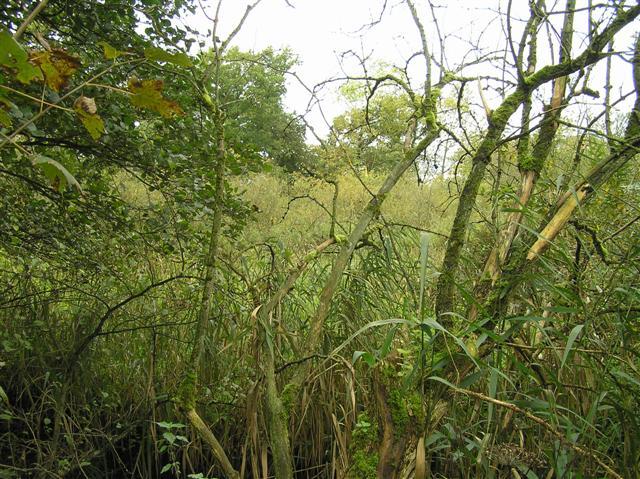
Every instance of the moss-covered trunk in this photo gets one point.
(187, 393)
(497, 123)
(530, 164)
(467, 201)
(277, 423)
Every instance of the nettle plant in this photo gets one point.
(170, 443)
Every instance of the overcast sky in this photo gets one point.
(319, 31)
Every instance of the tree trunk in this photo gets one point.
(392, 446)
(187, 394)
(497, 123)
(277, 415)
(530, 165)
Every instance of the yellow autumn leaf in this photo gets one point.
(148, 94)
(56, 65)
(111, 53)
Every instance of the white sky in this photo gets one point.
(318, 31)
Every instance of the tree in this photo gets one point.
(372, 138)
(253, 86)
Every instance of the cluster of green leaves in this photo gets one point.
(371, 136)
(252, 90)
(110, 162)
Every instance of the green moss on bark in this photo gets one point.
(406, 407)
(289, 395)
(529, 162)
(364, 456)
(406, 410)
(186, 397)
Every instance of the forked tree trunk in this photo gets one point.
(497, 123)
(530, 164)
(621, 154)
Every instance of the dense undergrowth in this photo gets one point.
(189, 289)
(573, 364)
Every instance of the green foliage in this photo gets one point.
(110, 53)
(170, 443)
(364, 456)
(372, 137)
(58, 175)
(87, 111)
(107, 199)
(15, 58)
(258, 127)
(158, 54)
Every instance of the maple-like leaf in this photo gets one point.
(110, 53)
(159, 55)
(15, 58)
(57, 66)
(86, 109)
(148, 94)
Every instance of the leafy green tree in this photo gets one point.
(372, 136)
(253, 85)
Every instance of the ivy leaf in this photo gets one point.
(58, 175)
(148, 94)
(159, 55)
(57, 66)
(86, 109)
(110, 53)
(14, 57)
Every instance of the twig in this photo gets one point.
(110, 312)
(621, 229)
(300, 361)
(21, 29)
(37, 100)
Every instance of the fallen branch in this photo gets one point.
(541, 422)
